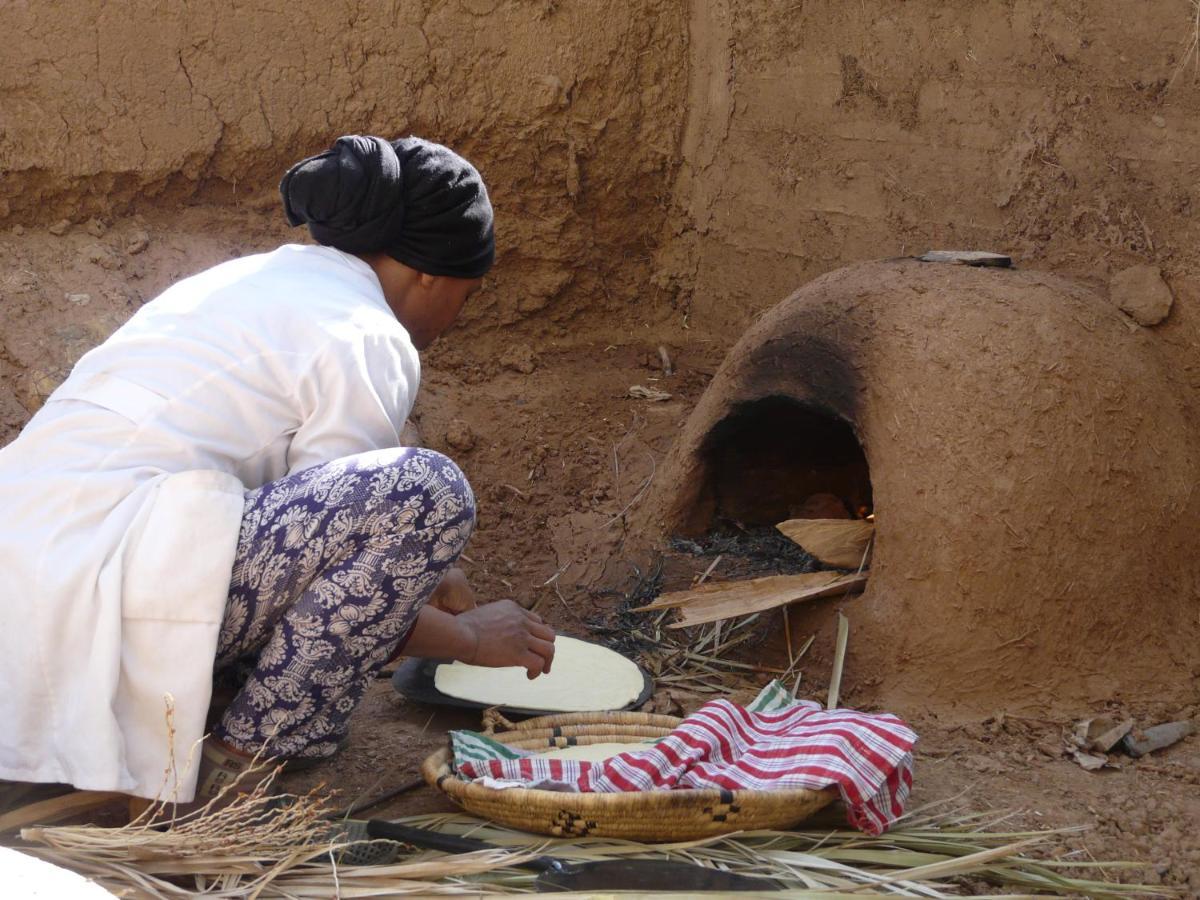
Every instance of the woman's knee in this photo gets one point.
(449, 485)
(405, 504)
(426, 489)
(401, 472)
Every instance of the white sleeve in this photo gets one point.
(353, 399)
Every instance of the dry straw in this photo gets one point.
(255, 846)
(694, 660)
(1192, 53)
(251, 849)
(252, 845)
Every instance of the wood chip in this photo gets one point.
(835, 542)
(726, 600)
(1106, 740)
(1101, 734)
(654, 395)
(665, 358)
(1091, 761)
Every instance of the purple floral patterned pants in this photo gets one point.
(333, 565)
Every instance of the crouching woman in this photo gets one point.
(219, 489)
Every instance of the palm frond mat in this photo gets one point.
(254, 848)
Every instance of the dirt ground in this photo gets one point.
(663, 172)
(1147, 810)
(559, 455)
(564, 453)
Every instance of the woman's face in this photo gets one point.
(426, 305)
(436, 305)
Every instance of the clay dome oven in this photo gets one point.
(1029, 458)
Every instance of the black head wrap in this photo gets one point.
(418, 202)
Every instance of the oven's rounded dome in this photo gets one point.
(1031, 459)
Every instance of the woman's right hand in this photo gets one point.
(503, 633)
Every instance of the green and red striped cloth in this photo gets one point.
(776, 742)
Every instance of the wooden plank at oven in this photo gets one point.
(842, 543)
(710, 602)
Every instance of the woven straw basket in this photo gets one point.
(653, 816)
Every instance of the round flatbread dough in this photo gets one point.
(584, 678)
(593, 752)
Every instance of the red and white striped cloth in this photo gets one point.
(867, 757)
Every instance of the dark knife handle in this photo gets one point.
(450, 843)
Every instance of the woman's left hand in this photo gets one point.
(454, 594)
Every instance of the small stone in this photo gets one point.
(1157, 737)
(138, 241)
(519, 359)
(37, 386)
(59, 228)
(1053, 751)
(102, 256)
(18, 230)
(1140, 292)
(460, 436)
(531, 303)
(79, 299)
(549, 92)
(96, 228)
(1159, 121)
(978, 258)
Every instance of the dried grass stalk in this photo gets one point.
(252, 844)
(255, 849)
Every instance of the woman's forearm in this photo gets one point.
(440, 635)
(495, 634)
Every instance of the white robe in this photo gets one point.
(121, 502)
